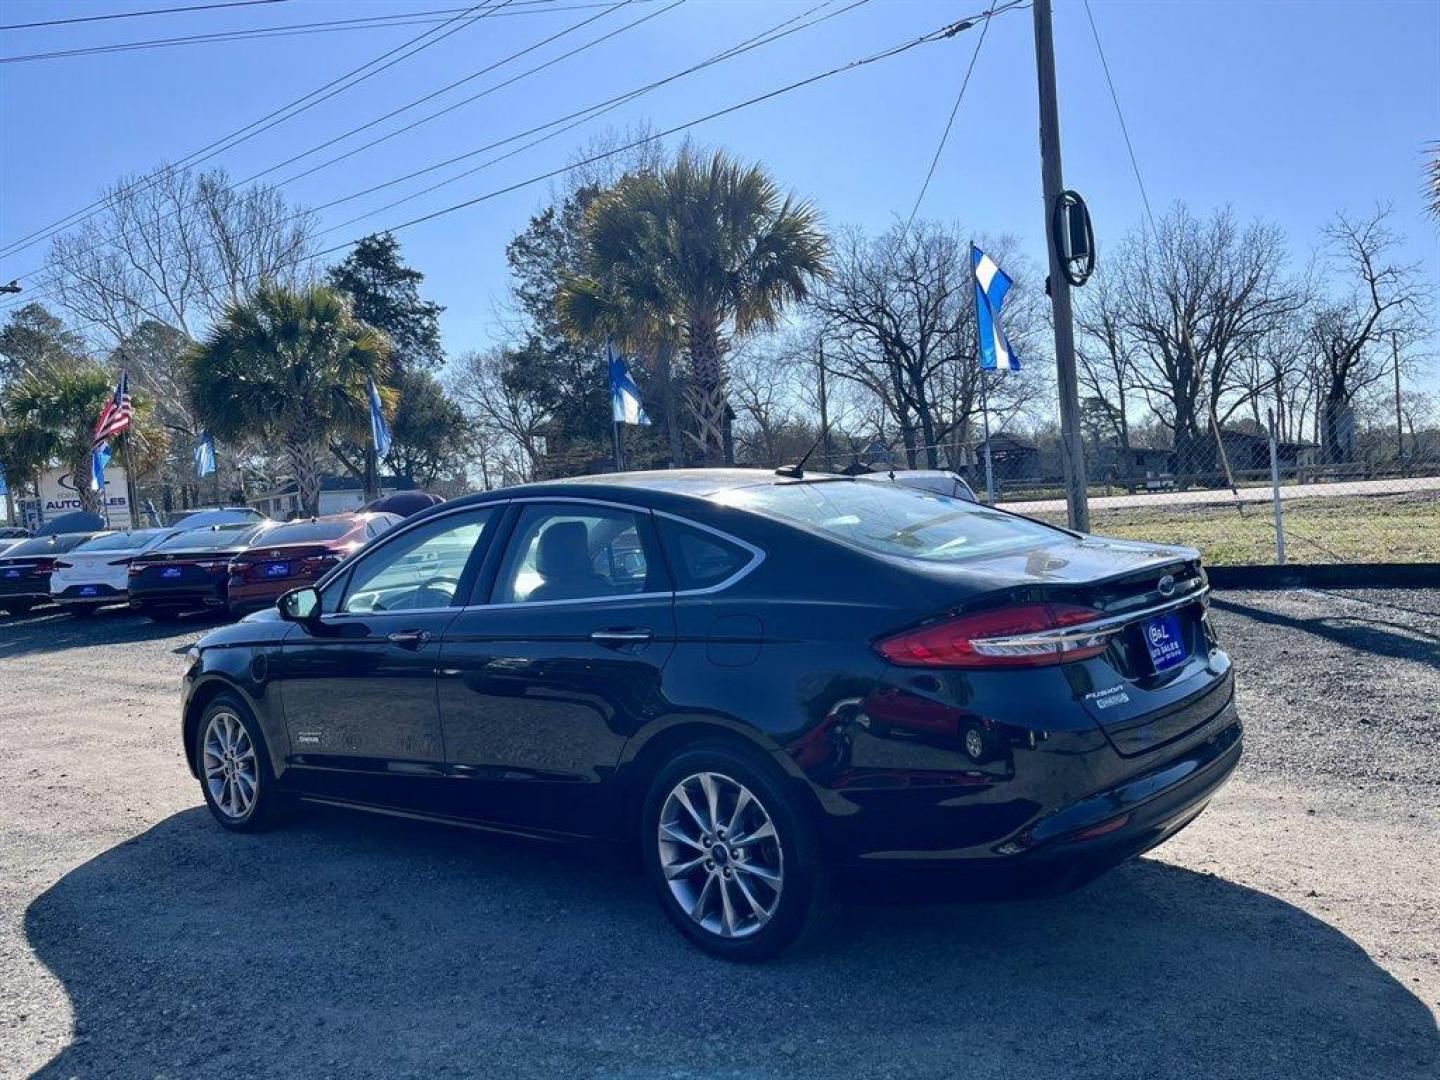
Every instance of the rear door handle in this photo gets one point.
(628, 636)
(408, 639)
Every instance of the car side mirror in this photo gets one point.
(299, 605)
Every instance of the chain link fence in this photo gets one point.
(1244, 499)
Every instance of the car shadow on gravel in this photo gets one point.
(345, 945)
(50, 630)
(1382, 637)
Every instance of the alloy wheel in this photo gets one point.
(232, 772)
(721, 855)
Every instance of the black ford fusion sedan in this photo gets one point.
(758, 680)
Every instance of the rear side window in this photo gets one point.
(577, 552)
(893, 520)
(700, 559)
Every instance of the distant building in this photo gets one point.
(1013, 458)
(1250, 452)
(337, 494)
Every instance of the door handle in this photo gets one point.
(408, 639)
(628, 636)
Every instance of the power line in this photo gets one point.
(326, 26)
(138, 14)
(943, 32)
(490, 67)
(785, 28)
(959, 97)
(885, 54)
(1124, 129)
(271, 119)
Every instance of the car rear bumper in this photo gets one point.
(184, 594)
(1066, 799)
(32, 588)
(89, 593)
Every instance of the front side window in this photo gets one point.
(574, 552)
(420, 569)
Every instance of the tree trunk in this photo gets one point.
(705, 393)
(305, 454)
(82, 472)
(670, 403)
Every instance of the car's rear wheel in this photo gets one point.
(732, 857)
(235, 773)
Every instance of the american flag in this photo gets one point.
(115, 416)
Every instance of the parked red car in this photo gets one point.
(295, 554)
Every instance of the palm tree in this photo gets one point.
(50, 420)
(703, 252)
(289, 365)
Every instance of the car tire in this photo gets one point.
(747, 901)
(83, 611)
(17, 607)
(234, 766)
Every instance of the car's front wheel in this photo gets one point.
(235, 773)
(733, 858)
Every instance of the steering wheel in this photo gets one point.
(434, 584)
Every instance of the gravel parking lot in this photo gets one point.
(1293, 931)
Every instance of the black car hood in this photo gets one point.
(264, 627)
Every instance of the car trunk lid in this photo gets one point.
(1159, 678)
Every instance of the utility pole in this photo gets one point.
(824, 412)
(1072, 449)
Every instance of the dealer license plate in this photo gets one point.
(1165, 638)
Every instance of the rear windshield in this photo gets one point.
(308, 532)
(894, 520)
(123, 541)
(42, 545)
(216, 539)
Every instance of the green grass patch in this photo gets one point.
(1355, 529)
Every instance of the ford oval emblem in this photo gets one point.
(1166, 585)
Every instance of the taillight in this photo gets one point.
(43, 566)
(213, 566)
(59, 564)
(136, 569)
(239, 566)
(1031, 635)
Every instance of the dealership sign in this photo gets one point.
(59, 496)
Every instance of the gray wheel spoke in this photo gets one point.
(684, 799)
(707, 785)
(678, 836)
(677, 870)
(770, 877)
(697, 912)
(727, 907)
(763, 832)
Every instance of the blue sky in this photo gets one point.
(1286, 111)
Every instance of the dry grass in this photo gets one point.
(1355, 529)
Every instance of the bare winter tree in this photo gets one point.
(899, 321)
(1198, 297)
(1105, 350)
(1351, 332)
(512, 414)
(175, 247)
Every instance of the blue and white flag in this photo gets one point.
(99, 459)
(378, 429)
(204, 455)
(991, 285)
(625, 404)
